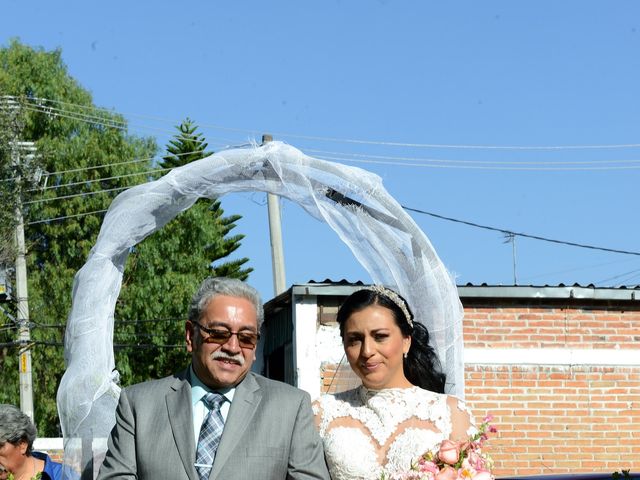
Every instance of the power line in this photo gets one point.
(117, 322)
(481, 162)
(524, 235)
(107, 165)
(56, 219)
(458, 146)
(584, 267)
(439, 164)
(117, 346)
(93, 119)
(102, 179)
(82, 194)
(631, 274)
(389, 143)
(96, 121)
(449, 163)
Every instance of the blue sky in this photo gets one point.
(544, 76)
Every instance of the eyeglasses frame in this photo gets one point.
(209, 331)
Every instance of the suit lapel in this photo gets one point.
(245, 403)
(181, 419)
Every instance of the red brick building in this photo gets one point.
(558, 367)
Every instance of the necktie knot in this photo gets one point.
(213, 400)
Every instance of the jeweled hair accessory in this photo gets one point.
(394, 297)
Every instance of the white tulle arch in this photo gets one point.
(384, 239)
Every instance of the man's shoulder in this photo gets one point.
(276, 386)
(156, 385)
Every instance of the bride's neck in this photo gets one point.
(406, 384)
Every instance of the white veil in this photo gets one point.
(382, 236)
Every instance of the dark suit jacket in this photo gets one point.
(269, 433)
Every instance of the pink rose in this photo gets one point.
(483, 475)
(449, 452)
(447, 473)
(428, 467)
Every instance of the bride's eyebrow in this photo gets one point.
(380, 330)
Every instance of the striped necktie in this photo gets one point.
(210, 434)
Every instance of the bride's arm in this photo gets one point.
(462, 425)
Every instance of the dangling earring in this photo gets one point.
(405, 355)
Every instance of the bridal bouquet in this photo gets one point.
(453, 460)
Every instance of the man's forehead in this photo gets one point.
(223, 309)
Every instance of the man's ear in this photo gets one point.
(189, 334)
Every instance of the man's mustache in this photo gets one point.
(220, 355)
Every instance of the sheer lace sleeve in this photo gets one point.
(462, 423)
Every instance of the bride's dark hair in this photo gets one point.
(421, 366)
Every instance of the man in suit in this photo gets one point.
(169, 429)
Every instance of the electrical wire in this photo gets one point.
(481, 162)
(82, 194)
(443, 163)
(438, 164)
(117, 346)
(97, 121)
(558, 272)
(524, 235)
(117, 322)
(631, 274)
(102, 179)
(389, 143)
(57, 219)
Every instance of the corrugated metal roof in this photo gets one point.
(577, 291)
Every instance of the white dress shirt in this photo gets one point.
(199, 409)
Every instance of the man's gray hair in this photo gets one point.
(230, 287)
(16, 426)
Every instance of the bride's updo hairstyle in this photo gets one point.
(421, 365)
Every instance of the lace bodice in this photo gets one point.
(366, 432)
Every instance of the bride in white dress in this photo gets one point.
(399, 412)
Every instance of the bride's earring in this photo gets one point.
(405, 355)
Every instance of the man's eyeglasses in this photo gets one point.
(246, 339)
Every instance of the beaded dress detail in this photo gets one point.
(366, 432)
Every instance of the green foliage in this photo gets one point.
(71, 136)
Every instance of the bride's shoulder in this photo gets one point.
(462, 421)
(328, 407)
(331, 399)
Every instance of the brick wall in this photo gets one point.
(558, 418)
(552, 418)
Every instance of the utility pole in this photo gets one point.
(22, 153)
(275, 235)
(22, 295)
(510, 237)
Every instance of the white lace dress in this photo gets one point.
(366, 432)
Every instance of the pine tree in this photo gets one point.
(187, 147)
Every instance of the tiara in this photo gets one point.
(394, 297)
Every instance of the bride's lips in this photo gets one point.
(370, 366)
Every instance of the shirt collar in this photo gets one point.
(199, 389)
